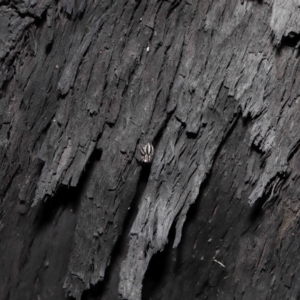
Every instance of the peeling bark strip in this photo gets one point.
(86, 84)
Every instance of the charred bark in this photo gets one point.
(213, 86)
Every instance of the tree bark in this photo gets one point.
(213, 86)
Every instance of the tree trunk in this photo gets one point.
(87, 212)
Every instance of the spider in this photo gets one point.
(147, 153)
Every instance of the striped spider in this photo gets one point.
(147, 153)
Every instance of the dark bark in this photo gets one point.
(213, 85)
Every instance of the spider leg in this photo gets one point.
(142, 150)
(151, 150)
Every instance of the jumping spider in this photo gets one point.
(147, 153)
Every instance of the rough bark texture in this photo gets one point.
(213, 85)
